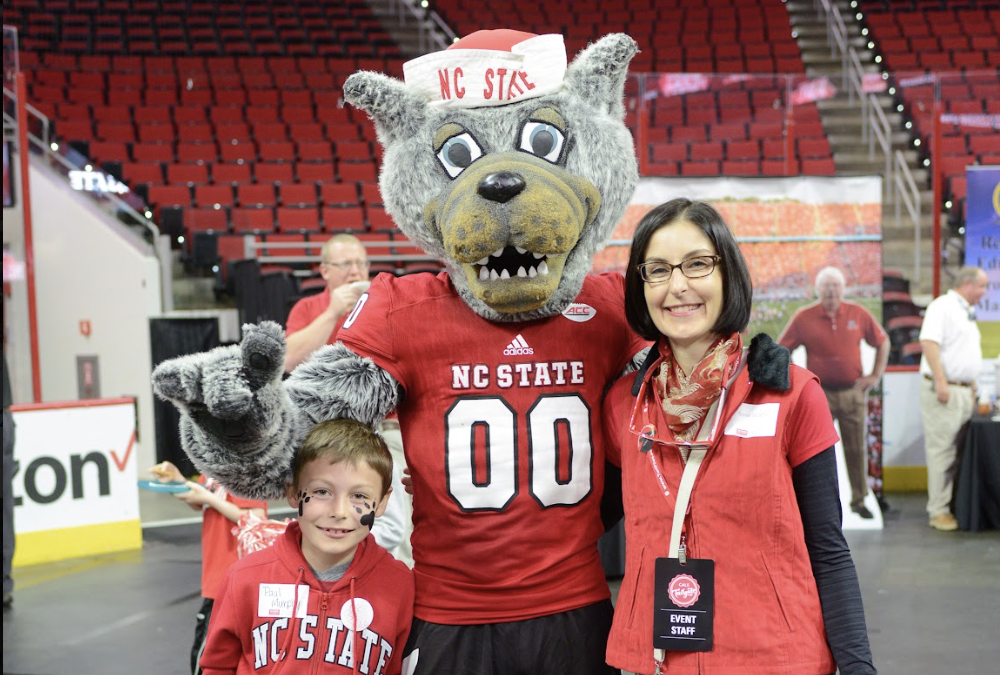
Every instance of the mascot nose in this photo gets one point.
(501, 187)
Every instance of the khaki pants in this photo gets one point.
(942, 424)
(850, 408)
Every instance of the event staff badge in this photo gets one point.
(684, 604)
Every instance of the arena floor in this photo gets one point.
(932, 600)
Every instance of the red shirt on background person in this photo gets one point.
(315, 321)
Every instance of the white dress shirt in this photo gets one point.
(949, 322)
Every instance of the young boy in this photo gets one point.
(327, 565)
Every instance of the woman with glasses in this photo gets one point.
(735, 560)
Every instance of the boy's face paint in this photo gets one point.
(337, 504)
(303, 498)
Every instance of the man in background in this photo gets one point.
(831, 330)
(951, 361)
(315, 320)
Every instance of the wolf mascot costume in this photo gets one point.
(513, 169)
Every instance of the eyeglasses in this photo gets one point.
(347, 264)
(657, 271)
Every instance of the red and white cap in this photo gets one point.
(489, 68)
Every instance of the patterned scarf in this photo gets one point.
(685, 399)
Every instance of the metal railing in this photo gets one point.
(899, 186)
(907, 195)
(252, 248)
(880, 132)
(65, 160)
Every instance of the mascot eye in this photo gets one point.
(543, 140)
(458, 152)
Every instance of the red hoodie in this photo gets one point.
(249, 631)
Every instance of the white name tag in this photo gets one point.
(275, 600)
(753, 421)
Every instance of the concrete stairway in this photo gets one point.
(842, 120)
(415, 35)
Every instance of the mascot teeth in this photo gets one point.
(512, 261)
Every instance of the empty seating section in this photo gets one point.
(945, 57)
(236, 117)
(698, 124)
(715, 36)
(710, 125)
(130, 29)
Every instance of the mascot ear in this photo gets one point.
(397, 112)
(598, 73)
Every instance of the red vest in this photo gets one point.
(743, 514)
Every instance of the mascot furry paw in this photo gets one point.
(513, 169)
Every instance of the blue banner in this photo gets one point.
(982, 234)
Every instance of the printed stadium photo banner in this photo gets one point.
(789, 229)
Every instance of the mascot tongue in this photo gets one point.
(489, 68)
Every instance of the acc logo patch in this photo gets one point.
(579, 312)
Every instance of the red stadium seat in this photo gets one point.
(339, 194)
(213, 195)
(153, 152)
(187, 173)
(231, 173)
(741, 167)
(197, 152)
(170, 195)
(252, 220)
(315, 172)
(274, 172)
(742, 150)
(206, 220)
(669, 152)
(298, 219)
(135, 173)
(294, 194)
(343, 219)
(357, 171)
(370, 194)
(379, 220)
(237, 152)
(256, 195)
(711, 150)
(812, 166)
(276, 151)
(195, 132)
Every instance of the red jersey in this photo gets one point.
(305, 311)
(218, 544)
(833, 345)
(252, 620)
(501, 432)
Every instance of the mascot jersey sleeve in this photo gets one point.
(500, 426)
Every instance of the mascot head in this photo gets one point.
(506, 164)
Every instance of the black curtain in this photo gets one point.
(171, 338)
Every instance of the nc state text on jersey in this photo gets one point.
(526, 374)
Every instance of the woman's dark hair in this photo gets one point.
(737, 289)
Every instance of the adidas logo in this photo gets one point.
(518, 347)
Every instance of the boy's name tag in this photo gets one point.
(275, 600)
(753, 421)
(684, 604)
